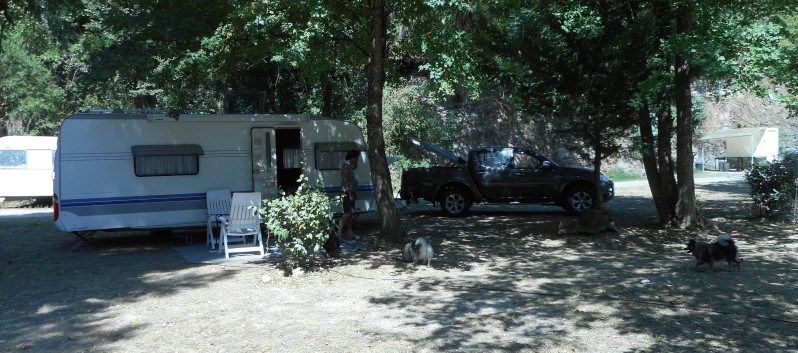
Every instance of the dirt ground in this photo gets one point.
(502, 281)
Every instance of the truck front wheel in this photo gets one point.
(578, 199)
(455, 202)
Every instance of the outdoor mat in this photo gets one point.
(196, 252)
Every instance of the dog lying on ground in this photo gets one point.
(723, 248)
(420, 250)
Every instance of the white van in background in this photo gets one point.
(151, 170)
(26, 167)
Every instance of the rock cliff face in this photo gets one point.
(490, 121)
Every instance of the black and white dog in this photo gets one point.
(723, 248)
(420, 250)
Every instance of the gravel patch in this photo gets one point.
(502, 281)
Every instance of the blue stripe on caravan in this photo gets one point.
(132, 200)
(171, 198)
(337, 189)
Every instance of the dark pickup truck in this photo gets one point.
(501, 175)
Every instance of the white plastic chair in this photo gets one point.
(240, 223)
(218, 204)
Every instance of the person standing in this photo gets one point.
(349, 184)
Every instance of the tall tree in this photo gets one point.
(585, 63)
(6, 21)
(593, 66)
(655, 119)
(729, 42)
(141, 51)
(569, 63)
(329, 43)
(390, 225)
(685, 208)
(30, 99)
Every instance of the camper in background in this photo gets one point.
(131, 170)
(26, 167)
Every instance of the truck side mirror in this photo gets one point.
(546, 165)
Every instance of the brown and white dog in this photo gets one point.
(420, 250)
(723, 248)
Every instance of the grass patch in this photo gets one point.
(624, 175)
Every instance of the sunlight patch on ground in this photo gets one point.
(96, 301)
(49, 308)
(552, 243)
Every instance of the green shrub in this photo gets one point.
(300, 222)
(773, 185)
(408, 113)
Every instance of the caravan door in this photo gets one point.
(264, 162)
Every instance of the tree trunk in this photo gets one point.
(597, 157)
(7, 21)
(390, 226)
(657, 182)
(685, 207)
(3, 117)
(326, 94)
(657, 149)
(665, 162)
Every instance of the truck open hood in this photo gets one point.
(439, 151)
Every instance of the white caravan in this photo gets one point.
(131, 170)
(26, 166)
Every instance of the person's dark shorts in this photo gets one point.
(349, 204)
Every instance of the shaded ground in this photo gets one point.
(502, 281)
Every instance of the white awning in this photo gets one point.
(726, 133)
(751, 143)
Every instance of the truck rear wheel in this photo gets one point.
(578, 199)
(455, 202)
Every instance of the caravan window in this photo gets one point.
(13, 159)
(40, 159)
(162, 160)
(330, 155)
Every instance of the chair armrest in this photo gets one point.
(224, 220)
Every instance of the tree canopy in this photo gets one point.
(599, 71)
